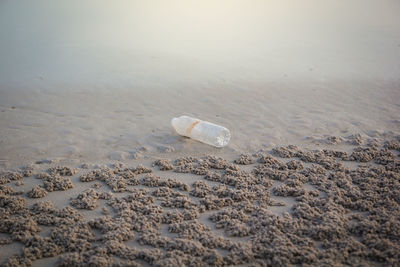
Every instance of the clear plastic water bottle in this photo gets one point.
(203, 131)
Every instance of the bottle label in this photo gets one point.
(189, 130)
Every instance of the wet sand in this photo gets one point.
(92, 174)
(336, 205)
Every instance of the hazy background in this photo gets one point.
(160, 43)
(90, 78)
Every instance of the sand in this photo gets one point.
(335, 207)
(78, 83)
(92, 173)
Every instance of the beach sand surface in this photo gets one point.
(76, 82)
(87, 92)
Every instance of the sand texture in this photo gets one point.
(94, 81)
(285, 206)
(93, 174)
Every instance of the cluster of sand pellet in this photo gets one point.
(199, 166)
(244, 159)
(37, 192)
(163, 164)
(53, 181)
(62, 170)
(8, 190)
(86, 200)
(340, 215)
(10, 176)
(118, 178)
(154, 181)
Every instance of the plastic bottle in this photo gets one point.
(202, 131)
